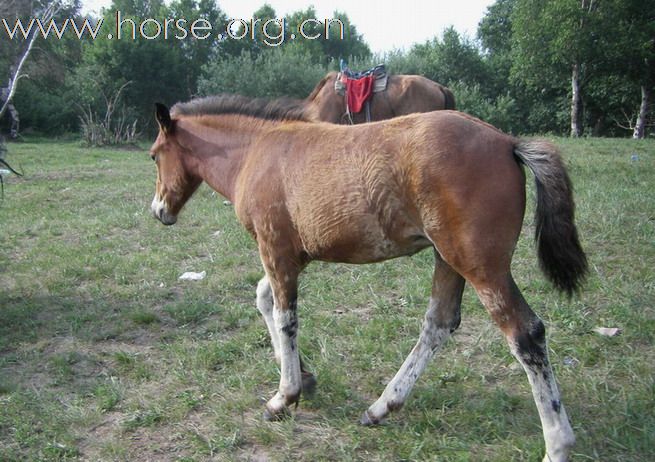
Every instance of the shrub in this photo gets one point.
(103, 130)
(284, 71)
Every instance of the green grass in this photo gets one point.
(106, 355)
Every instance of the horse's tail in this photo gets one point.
(561, 257)
(449, 102)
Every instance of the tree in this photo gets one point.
(43, 94)
(630, 50)
(290, 64)
(21, 47)
(554, 39)
(301, 31)
(195, 52)
(161, 68)
(250, 37)
(639, 131)
(517, 106)
(495, 35)
(323, 41)
(451, 58)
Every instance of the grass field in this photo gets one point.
(106, 356)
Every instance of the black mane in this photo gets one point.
(263, 108)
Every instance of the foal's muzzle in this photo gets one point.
(159, 211)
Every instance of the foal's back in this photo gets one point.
(376, 191)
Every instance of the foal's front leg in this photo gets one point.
(283, 327)
(265, 304)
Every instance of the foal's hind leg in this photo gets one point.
(441, 319)
(265, 305)
(525, 334)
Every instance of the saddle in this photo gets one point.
(358, 87)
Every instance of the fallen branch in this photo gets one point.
(9, 167)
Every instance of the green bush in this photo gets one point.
(500, 112)
(284, 71)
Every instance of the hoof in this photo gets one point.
(369, 421)
(308, 384)
(271, 416)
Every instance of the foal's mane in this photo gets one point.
(262, 108)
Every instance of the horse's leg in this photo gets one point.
(282, 273)
(265, 304)
(441, 319)
(525, 334)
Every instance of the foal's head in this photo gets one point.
(175, 184)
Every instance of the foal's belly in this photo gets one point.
(384, 250)
(365, 244)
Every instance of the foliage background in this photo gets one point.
(515, 73)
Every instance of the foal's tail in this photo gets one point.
(561, 257)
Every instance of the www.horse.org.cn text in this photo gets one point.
(272, 32)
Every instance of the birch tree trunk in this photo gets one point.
(48, 14)
(640, 127)
(576, 102)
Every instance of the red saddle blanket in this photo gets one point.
(358, 91)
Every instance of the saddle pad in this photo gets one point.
(380, 83)
(358, 91)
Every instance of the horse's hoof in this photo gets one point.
(369, 421)
(308, 384)
(275, 416)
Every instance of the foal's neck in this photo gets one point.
(218, 147)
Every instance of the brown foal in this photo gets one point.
(367, 193)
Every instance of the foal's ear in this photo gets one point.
(163, 116)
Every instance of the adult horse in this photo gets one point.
(405, 94)
(366, 193)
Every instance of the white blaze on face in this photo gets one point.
(158, 208)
